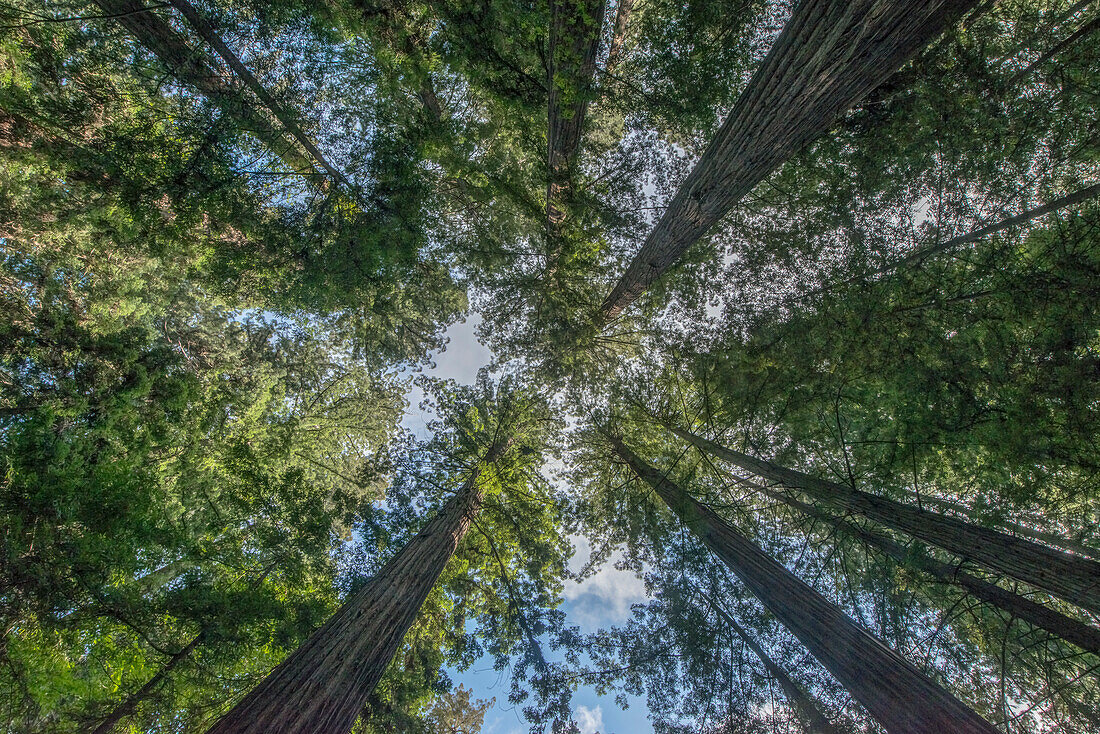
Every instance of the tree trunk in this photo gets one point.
(806, 708)
(618, 36)
(127, 707)
(1014, 528)
(921, 254)
(575, 27)
(210, 35)
(1035, 614)
(830, 54)
(1075, 579)
(899, 696)
(322, 687)
(192, 69)
(1083, 32)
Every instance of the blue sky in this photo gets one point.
(602, 599)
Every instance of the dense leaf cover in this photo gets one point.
(218, 291)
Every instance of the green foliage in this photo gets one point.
(203, 355)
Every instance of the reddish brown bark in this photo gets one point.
(829, 55)
(618, 36)
(1075, 579)
(322, 687)
(899, 696)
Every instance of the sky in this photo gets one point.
(600, 600)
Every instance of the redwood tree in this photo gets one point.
(324, 684)
(1075, 579)
(829, 55)
(899, 696)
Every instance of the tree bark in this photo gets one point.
(1015, 528)
(1075, 579)
(830, 54)
(575, 27)
(899, 696)
(809, 713)
(192, 69)
(128, 706)
(322, 687)
(618, 36)
(1020, 607)
(207, 32)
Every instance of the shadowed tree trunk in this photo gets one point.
(210, 35)
(128, 706)
(830, 54)
(1075, 579)
(618, 36)
(575, 27)
(322, 687)
(1083, 32)
(899, 696)
(1020, 607)
(809, 713)
(1014, 528)
(191, 68)
(921, 254)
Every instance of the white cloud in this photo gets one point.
(589, 720)
(463, 356)
(605, 597)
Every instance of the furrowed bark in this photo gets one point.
(809, 713)
(1035, 614)
(899, 696)
(210, 35)
(575, 27)
(830, 54)
(1072, 578)
(322, 687)
(192, 69)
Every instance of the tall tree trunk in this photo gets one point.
(575, 27)
(618, 36)
(192, 69)
(322, 687)
(128, 706)
(1020, 607)
(899, 696)
(1083, 32)
(1075, 579)
(809, 713)
(830, 54)
(921, 254)
(210, 35)
(1014, 528)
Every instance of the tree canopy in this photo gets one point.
(793, 309)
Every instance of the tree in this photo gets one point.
(323, 685)
(172, 49)
(1070, 577)
(896, 693)
(825, 60)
